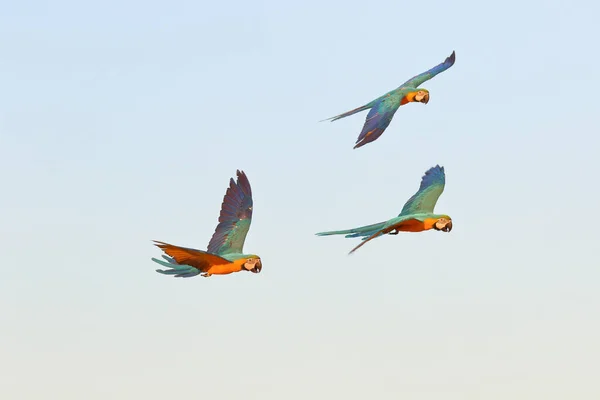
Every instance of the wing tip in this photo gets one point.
(242, 182)
(351, 252)
(433, 174)
(451, 58)
(436, 168)
(363, 140)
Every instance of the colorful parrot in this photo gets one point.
(416, 216)
(384, 107)
(224, 254)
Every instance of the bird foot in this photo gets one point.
(394, 232)
(206, 274)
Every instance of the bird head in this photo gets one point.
(443, 224)
(253, 264)
(421, 96)
(415, 96)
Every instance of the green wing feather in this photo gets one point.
(235, 218)
(432, 186)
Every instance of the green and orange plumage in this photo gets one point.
(416, 216)
(383, 108)
(224, 254)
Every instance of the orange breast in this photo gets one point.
(224, 269)
(413, 225)
(428, 223)
(408, 98)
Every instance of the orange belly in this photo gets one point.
(413, 225)
(224, 269)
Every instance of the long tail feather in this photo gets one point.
(347, 113)
(356, 232)
(184, 271)
(169, 259)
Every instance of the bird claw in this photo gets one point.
(394, 232)
(206, 274)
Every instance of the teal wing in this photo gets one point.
(415, 81)
(235, 218)
(432, 186)
(378, 119)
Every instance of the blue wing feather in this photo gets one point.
(432, 186)
(417, 80)
(235, 218)
(378, 120)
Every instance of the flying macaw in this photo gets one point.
(224, 254)
(416, 216)
(383, 108)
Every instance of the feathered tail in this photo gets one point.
(363, 231)
(180, 271)
(347, 113)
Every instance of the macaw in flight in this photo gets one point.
(383, 108)
(224, 254)
(416, 216)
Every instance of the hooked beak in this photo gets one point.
(448, 227)
(257, 267)
(425, 99)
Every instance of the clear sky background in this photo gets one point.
(122, 122)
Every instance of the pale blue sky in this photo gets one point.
(122, 122)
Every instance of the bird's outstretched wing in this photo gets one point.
(432, 186)
(417, 80)
(235, 218)
(378, 120)
(186, 262)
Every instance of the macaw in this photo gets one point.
(383, 108)
(416, 216)
(224, 254)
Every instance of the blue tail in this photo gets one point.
(347, 113)
(180, 271)
(364, 231)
